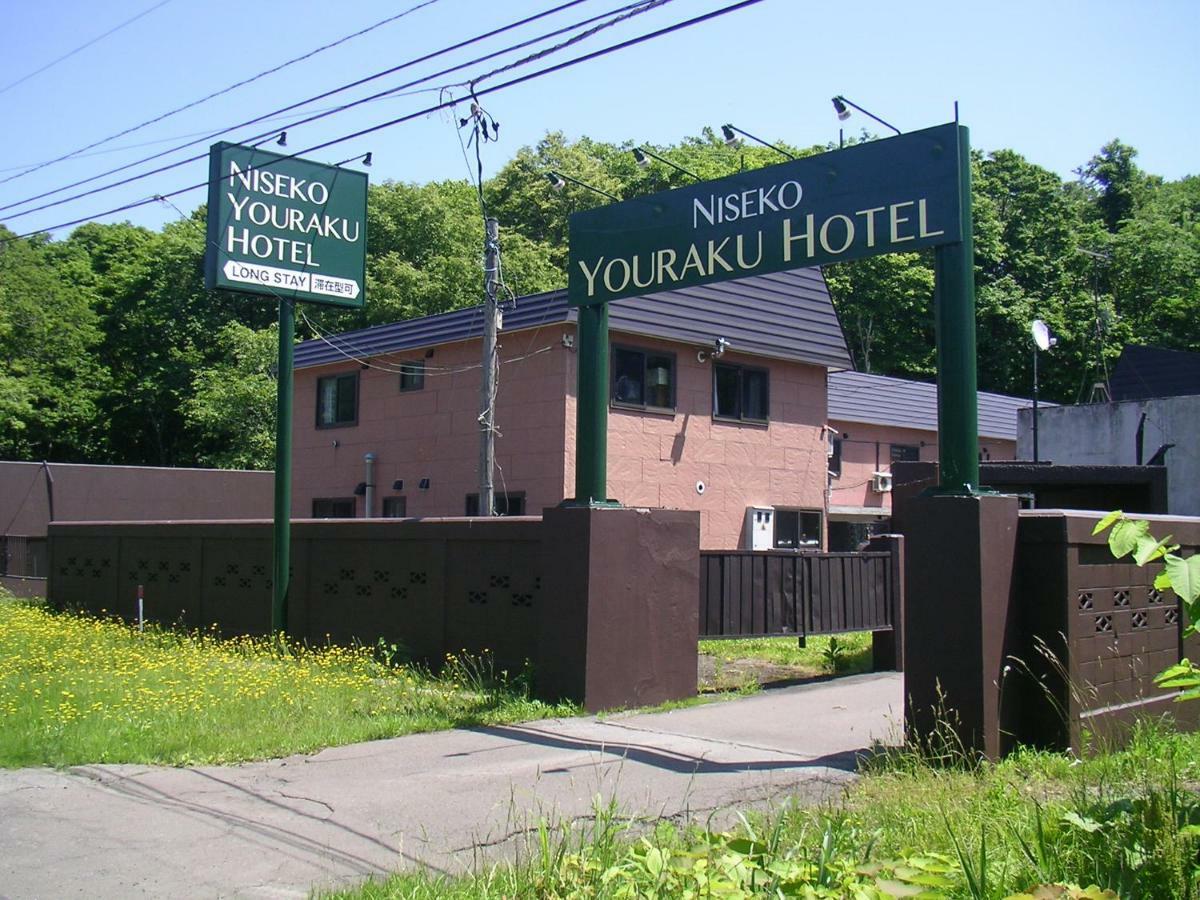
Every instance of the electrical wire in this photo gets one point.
(278, 112)
(531, 76)
(66, 56)
(225, 90)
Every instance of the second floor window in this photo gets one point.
(740, 392)
(412, 375)
(337, 400)
(905, 452)
(643, 378)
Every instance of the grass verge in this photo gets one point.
(77, 690)
(1038, 825)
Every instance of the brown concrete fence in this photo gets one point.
(602, 602)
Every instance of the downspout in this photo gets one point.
(49, 488)
(369, 496)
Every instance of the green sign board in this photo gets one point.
(285, 227)
(882, 196)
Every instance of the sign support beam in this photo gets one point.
(282, 535)
(954, 311)
(591, 430)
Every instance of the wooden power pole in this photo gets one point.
(487, 391)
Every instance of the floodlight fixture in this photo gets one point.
(843, 106)
(732, 141)
(643, 156)
(368, 159)
(282, 142)
(558, 181)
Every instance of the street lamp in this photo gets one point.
(1042, 340)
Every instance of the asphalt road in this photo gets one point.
(446, 801)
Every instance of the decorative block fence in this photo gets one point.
(603, 602)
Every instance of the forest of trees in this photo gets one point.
(112, 351)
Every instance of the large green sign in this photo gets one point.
(285, 227)
(882, 196)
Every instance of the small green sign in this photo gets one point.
(882, 196)
(285, 227)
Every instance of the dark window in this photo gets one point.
(797, 528)
(337, 400)
(835, 457)
(333, 508)
(506, 504)
(395, 507)
(905, 452)
(740, 393)
(642, 378)
(412, 375)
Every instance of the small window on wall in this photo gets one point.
(395, 507)
(740, 393)
(412, 375)
(643, 379)
(333, 508)
(337, 400)
(797, 529)
(512, 504)
(905, 452)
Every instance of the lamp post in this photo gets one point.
(1042, 340)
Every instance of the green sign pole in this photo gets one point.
(591, 431)
(954, 302)
(283, 469)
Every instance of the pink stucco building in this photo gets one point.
(389, 415)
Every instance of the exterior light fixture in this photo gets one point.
(643, 156)
(1042, 340)
(732, 141)
(558, 181)
(423, 484)
(282, 142)
(843, 106)
(368, 159)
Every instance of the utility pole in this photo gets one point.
(487, 390)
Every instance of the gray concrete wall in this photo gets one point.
(1106, 434)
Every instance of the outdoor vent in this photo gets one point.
(881, 482)
(398, 485)
(424, 484)
(360, 489)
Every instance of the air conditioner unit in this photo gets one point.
(760, 527)
(881, 482)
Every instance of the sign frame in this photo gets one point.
(285, 227)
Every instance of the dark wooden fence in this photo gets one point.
(759, 593)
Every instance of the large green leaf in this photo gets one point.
(1125, 535)
(1185, 576)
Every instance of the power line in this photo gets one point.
(272, 114)
(81, 47)
(531, 76)
(226, 90)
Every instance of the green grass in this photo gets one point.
(1122, 822)
(840, 654)
(77, 690)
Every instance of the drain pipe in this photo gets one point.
(369, 497)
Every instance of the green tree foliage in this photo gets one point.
(231, 412)
(111, 349)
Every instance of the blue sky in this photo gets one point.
(1052, 80)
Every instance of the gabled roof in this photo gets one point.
(880, 400)
(1144, 372)
(787, 315)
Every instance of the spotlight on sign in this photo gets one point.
(282, 142)
(840, 107)
(731, 139)
(366, 160)
(640, 158)
(556, 181)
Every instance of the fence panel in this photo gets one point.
(760, 593)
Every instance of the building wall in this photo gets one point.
(434, 432)
(654, 459)
(866, 449)
(1106, 434)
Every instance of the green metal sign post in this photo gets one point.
(290, 229)
(895, 195)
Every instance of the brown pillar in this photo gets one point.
(958, 614)
(887, 647)
(622, 618)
